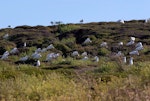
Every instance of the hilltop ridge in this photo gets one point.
(71, 36)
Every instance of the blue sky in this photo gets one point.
(42, 12)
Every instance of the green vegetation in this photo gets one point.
(62, 28)
(73, 79)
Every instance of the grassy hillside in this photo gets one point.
(72, 79)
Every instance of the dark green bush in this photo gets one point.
(63, 48)
(103, 70)
(34, 96)
(66, 28)
(103, 52)
(65, 63)
(2, 50)
(9, 74)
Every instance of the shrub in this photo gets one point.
(103, 51)
(8, 74)
(62, 47)
(66, 28)
(107, 67)
(65, 63)
(2, 50)
(6, 45)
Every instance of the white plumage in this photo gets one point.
(132, 38)
(119, 53)
(84, 54)
(147, 20)
(120, 43)
(5, 55)
(138, 46)
(87, 41)
(38, 63)
(38, 50)
(6, 52)
(104, 44)
(121, 21)
(130, 43)
(24, 58)
(44, 50)
(56, 55)
(131, 61)
(75, 53)
(135, 52)
(96, 59)
(6, 36)
(49, 57)
(124, 59)
(36, 55)
(14, 51)
(25, 44)
(85, 58)
(50, 47)
(52, 56)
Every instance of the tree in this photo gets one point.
(81, 21)
(9, 26)
(52, 22)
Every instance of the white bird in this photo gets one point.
(87, 41)
(24, 58)
(38, 50)
(52, 56)
(85, 58)
(14, 51)
(124, 59)
(147, 20)
(139, 48)
(56, 55)
(119, 53)
(49, 57)
(120, 43)
(96, 59)
(132, 38)
(131, 61)
(130, 43)
(25, 44)
(75, 53)
(6, 52)
(44, 50)
(135, 52)
(36, 55)
(104, 44)
(4, 56)
(84, 54)
(121, 21)
(139, 44)
(50, 47)
(38, 63)
(6, 36)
